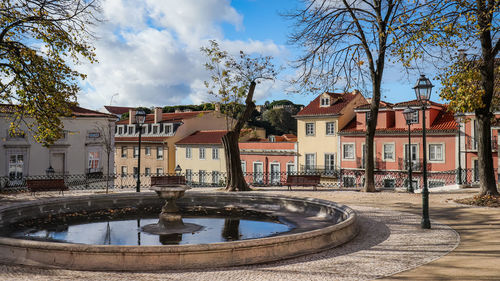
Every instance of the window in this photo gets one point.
(159, 171)
(188, 152)
(202, 176)
(189, 175)
(309, 129)
(202, 153)
(136, 151)
(93, 164)
(124, 152)
(310, 161)
(130, 130)
(159, 153)
(147, 171)
(155, 129)
(258, 172)
(124, 171)
(16, 165)
(388, 151)
(435, 152)
(120, 130)
(136, 172)
(368, 116)
(244, 167)
(414, 117)
(215, 178)
(349, 181)
(389, 183)
(330, 128)
(147, 150)
(143, 129)
(434, 183)
(329, 162)
(215, 153)
(325, 101)
(290, 168)
(348, 151)
(168, 129)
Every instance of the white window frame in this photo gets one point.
(202, 153)
(201, 176)
(272, 176)
(135, 149)
(91, 160)
(324, 101)
(159, 155)
(330, 132)
(189, 152)
(290, 171)
(18, 165)
(159, 171)
(215, 178)
(124, 149)
(123, 171)
(313, 126)
(353, 158)
(244, 166)
(171, 129)
(415, 117)
(131, 128)
(306, 165)
(215, 153)
(189, 175)
(332, 161)
(157, 127)
(258, 176)
(147, 150)
(443, 149)
(120, 130)
(393, 159)
(147, 171)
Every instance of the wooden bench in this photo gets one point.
(302, 180)
(166, 180)
(37, 185)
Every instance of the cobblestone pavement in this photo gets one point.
(389, 242)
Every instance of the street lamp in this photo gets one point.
(423, 90)
(140, 117)
(178, 170)
(408, 114)
(459, 117)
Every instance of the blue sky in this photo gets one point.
(148, 51)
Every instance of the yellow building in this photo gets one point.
(317, 129)
(160, 133)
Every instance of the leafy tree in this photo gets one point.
(281, 120)
(348, 41)
(469, 85)
(232, 80)
(39, 39)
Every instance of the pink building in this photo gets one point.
(391, 143)
(268, 161)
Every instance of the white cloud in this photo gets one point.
(149, 51)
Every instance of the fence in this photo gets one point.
(343, 178)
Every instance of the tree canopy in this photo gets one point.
(40, 40)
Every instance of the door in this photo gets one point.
(413, 159)
(16, 165)
(274, 177)
(58, 163)
(258, 172)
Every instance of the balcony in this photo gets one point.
(416, 164)
(472, 143)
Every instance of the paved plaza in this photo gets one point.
(463, 244)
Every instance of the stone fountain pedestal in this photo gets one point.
(170, 218)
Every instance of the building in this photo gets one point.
(391, 143)
(269, 160)
(317, 127)
(160, 132)
(201, 157)
(81, 151)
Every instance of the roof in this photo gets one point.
(443, 122)
(169, 117)
(77, 111)
(416, 103)
(117, 109)
(340, 100)
(204, 137)
(382, 104)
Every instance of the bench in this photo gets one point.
(302, 180)
(166, 180)
(37, 185)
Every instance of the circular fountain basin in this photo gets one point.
(319, 225)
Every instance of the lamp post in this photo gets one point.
(140, 117)
(408, 114)
(459, 117)
(178, 170)
(423, 90)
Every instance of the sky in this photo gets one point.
(149, 51)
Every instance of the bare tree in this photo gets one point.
(347, 42)
(107, 141)
(233, 79)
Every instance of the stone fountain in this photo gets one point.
(170, 218)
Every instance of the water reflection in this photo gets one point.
(231, 230)
(171, 239)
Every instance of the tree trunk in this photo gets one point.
(487, 182)
(369, 185)
(235, 179)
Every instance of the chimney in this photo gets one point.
(158, 114)
(131, 116)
